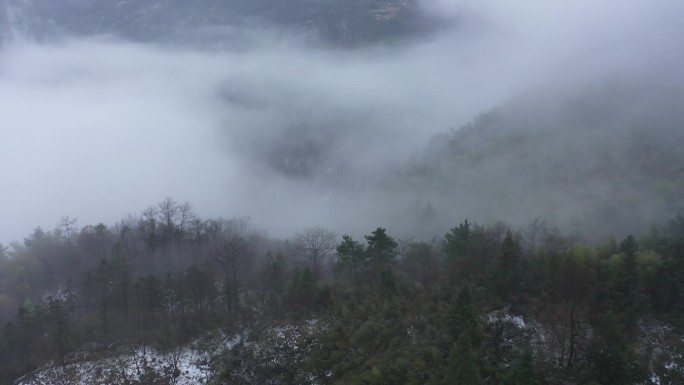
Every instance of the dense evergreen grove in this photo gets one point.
(397, 311)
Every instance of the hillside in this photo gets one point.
(154, 302)
(600, 161)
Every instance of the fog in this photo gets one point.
(98, 127)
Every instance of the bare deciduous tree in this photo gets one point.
(234, 255)
(168, 211)
(404, 246)
(68, 226)
(185, 216)
(532, 233)
(315, 243)
(147, 227)
(197, 230)
(214, 228)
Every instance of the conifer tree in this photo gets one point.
(522, 373)
(456, 248)
(382, 249)
(461, 317)
(352, 256)
(462, 364)
(508, 277)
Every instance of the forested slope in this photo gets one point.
(167, 297)
(603, 160)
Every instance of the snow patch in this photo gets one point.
(278, 346)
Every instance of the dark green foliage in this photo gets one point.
(60, 329)
(381, 249)
(508, 278)
(457, 241)
(611, 365)
(201, 289)
(613, 369)
(149, 295)
(412, 320)
(629, 246)
(461, 317)
(630, 283)
(457, 249)
(670, 294)
(522, 373)
(610, 351)
(462, 366)
(621, 288)
(274, 280)
(301, 292)
(422, 262)
(352, 257)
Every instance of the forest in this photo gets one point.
(388, 310)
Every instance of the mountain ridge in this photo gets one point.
(338, 23)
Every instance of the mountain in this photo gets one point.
(603, 160)
(336, 22)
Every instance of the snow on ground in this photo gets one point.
(181, 367)
(659, 343)
(190, 365)
(663, 346)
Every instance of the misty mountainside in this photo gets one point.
(604, 160)
(597, 160)
(216, 23)
(600, 160)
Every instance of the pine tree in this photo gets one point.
(630, 286)
(456, 248)
(612, 365)
(382, 249)
(508, 278)
(61, 336)
(352, 256)
(522, 373)
(462, 364)
(461, 317)
(302, 290)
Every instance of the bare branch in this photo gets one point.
(316, 244)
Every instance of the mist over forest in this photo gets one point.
(293, 132)
(344, 115)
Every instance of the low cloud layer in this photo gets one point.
(96, 128)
